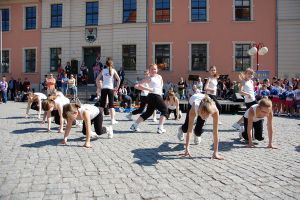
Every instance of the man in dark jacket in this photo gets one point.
(12, 88)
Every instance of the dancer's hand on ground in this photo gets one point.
(250, 145)
(217, 156)
(186, 153)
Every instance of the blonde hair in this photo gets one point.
(109, 64)
(70, 109)
(265, 102)
(242, 75)
(216, 75)
(207, 105)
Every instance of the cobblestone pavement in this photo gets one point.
(143, 165)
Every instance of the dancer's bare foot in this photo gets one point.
(87, 145)
(63, 142)
(186, 154)
(217, 156)
(272, 147)
(60, 131)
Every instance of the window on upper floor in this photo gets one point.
(162, 11)
(242, 10)
(5, 61)
(5, 19)
(30, 18)
(56, 15)
(55, 59)
(199, 57)
(92, 11)
(129, 57)
(163, 56)
(30, 60)
(242, 58)
(198, 10)
(129, 11)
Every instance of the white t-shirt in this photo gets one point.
(196, 99)
(145, 93)
(212, 84)
(61, 99)
(255, 119)
(249, 88)
(108, 80)
(297, 94)
(156, 84)
(41, 96)
(93, 110)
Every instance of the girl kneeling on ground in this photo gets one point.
(253, 118)
(35, 102)
(200, 106)
(89, 114)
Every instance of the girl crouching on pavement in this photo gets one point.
(253, 118)
(35, 102)
(200, 106)
(89, 114)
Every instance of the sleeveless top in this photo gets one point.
(212, 84)
(249, 88)
(108, 80)
(145, 93)
(156, 84)
(255, 118)
(196, 98)
(41, 96)
(93, 110)
(61, 99)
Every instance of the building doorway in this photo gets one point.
(90, 55)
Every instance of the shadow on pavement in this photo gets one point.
(297, 148)
(30, 122)
(13, 117)
(54, 142)
(151, 156)
(29, 130)
(228, 145)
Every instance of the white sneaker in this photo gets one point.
(180, 134)
(94, 134)
(161, 130)
(129, 116)
(134, 128)
(110, 132)
(236, 126)
(114, 122)
(197, 139)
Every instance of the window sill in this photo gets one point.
(248, 21)
(30, 73)
(200, 22)
(162, 23)
(28, 30)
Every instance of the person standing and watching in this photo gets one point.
(12, 88)
(64, 83)
(51, 85)
(3, 89)
(68, 69)
(181, 88)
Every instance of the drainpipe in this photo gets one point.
(147, 31)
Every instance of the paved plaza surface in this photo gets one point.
(143, 165)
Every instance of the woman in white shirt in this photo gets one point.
(89, 114)
(35, 101)
(109, 74)
(211, 86)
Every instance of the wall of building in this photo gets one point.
(288, 38)
(17, 39)
(220, 32)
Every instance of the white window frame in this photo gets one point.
(9, 57)
(251, 11)
(190, 54)
(24, 16)
(207, 12)
(171, 53)
(24, 59)
(9, 9)
(171, 15)
(233, 53)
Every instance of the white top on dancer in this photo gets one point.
(92, 110)
(108, 80)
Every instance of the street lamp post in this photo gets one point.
(259, 49)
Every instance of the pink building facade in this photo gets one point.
(189, 36)
(21, 36)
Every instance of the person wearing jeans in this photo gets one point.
(3, 89)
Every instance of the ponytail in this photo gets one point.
(207, 105)
(109, 64)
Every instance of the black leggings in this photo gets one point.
(155, 101)
(104, 93)
(258, 129)
(248, 105)
(97, 125)
(214, 97)
(198, 130)
(143, 104)
(172, 111)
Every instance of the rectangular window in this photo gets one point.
(242, 10)
(30, 17)
(129, 57)
(163, 55)
(242, 58)
(5, 61)
(198, 10)
(91, 13)
(5, 19)
(55, 59)
(129, 11)
(30, 60)
(199, 57)
(162, 11)
(56, 15)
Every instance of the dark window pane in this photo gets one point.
(198, 10)
(30, 60)
(5, 61)
(129, 11)
(129, 57)
(199, 57)
(162, 11)
(56, 15)
(5, 19)
(242, 59)
(242, 10)
(162, 55)
(92, 11)
(30, 18)
(55, 59)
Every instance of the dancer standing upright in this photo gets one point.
(155, 100)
